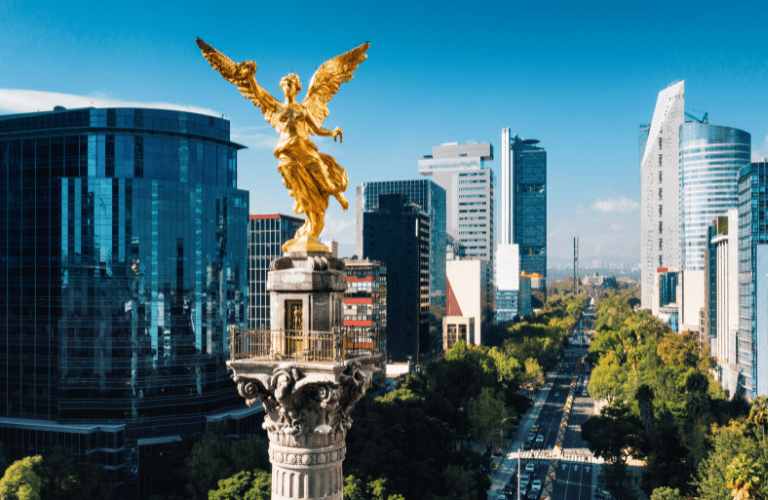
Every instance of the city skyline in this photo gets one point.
(585, 108)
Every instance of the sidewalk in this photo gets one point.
(502, 475)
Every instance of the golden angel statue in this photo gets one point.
(310, 176)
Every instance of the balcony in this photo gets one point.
(337, 345)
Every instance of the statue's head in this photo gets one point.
(291, 85)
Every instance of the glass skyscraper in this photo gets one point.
(752, 337)
(123, 265)
(266, 235)
(524, 202)
(431, 198)
(710, 159)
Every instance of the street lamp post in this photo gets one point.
(519, 452)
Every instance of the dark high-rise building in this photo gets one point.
(432, 199)
(123, 265)
(397, 233)
(524, 202)
(266, 235)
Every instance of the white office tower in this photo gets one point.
(724, 297)
(659, 190)
(505, 212)
(462, 170)
(513, 290)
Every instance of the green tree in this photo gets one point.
(245, 485)
(744, 476)
(23, 480)
(614, 436)
(215, 457)
(666, 493)
(534, 374)
(758, 414)
(608, 378)
(461, 482)
(354, 489)
(508, 368)
(486, 415)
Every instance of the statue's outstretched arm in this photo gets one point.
(336, 133)
(243, 76)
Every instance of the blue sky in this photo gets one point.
(579, 76)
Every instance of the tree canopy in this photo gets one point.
(662, 403)
(23, 480)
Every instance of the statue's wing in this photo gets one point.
(329, 77)
(243, 79)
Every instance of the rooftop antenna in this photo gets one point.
(575, 265)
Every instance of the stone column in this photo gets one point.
(307, 416)
(308, 384)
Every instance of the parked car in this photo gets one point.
(536, 485)
(540, 439)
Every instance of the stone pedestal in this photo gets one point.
(316, 283)
(305, 381)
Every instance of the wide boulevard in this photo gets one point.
(555, 462)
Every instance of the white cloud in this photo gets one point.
(259, 137)
(615, 205)
(341, 229)
(28, 101)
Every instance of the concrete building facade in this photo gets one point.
(659, 189)
(467, 302)
(365, 300)
(722, 309)
(463, 171)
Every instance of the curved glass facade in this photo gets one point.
(710, 159)
(123, 264)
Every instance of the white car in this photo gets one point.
(540, 438)
(530, 467)
(536, 485)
